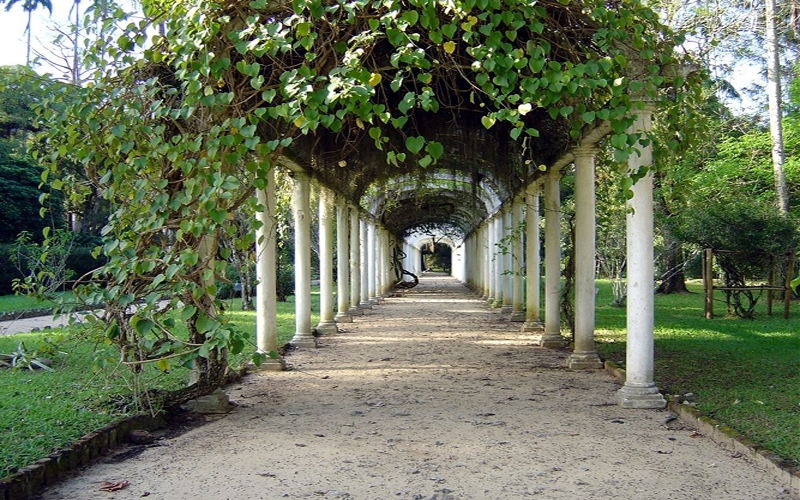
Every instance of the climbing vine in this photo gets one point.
(180, 128)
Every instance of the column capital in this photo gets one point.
(586, 151)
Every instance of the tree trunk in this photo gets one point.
(673, 279)
(774, 97)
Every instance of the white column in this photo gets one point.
(507, 267)
(363, 232)
(584, 355)
(355, 265)
(498, 260)
(303, 337)
(552, 263)
(517, 261)
(491, 282)
(486, 259)
(533, 322)
(640, 390)
(372, 263)
(266, 296)
(326, 325)
(342, 263)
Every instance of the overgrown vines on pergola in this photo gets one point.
(180, 129)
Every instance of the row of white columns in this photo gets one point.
(496, 251)
(363, 275)
(496, 255)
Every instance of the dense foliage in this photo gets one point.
(178, 131)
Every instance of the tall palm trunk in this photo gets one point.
(774, 97)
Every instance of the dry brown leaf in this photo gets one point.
(113, 485)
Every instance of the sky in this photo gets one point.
(12, 29)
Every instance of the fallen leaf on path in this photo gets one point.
(113, 485)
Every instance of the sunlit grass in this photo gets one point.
(42, 411)
(745, 373)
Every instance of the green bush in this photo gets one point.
(80, 261)
(8, 271)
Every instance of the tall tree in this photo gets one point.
(774, 97)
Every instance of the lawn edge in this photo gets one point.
(725, 437)
(43, 473)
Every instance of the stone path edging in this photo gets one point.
(726, 437)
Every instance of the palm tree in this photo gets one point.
(29, 6)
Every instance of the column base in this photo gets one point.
(304, 340)
(552, 341)
(490, 301)
(533, 326)
(517, 316)
(269, 365)
(343, 318)
(506, 309)
(584, 361)
(640, 397)
(326, 328)
(355, 311)
(365, 304)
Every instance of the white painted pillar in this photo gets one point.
(517, 261)
(584, 355)
(498, 260)
(266, 296)
(491, 276)
(342, 263)
(303, 337)
(326, 324)
(355, 265)
(507, 260)
(486, 259)
(640, 390)
(552, 262)
(533, 322)
(363, 231)
(372, 263)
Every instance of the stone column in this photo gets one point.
(326, 325)
(355, 265)
(517, 259)
(342, 263)
(491, 277)
(533, 322)
(640, 390)
(266, 296)
(363, 232)
(584, 355)
(486, 259)
(499, 260)
(372, 263)
(303, 337)
(552, 262)
(507, 265)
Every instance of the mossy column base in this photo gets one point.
(640, 397)
(304, 340)
(584, 361)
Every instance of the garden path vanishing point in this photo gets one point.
(430, 395)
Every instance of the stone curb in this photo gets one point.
(726, 437)
(33, 479)
(30, 313)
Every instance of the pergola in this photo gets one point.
(440, 113)
(482, 185)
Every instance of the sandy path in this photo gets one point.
(431, 395)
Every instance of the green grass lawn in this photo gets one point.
(745, 373)
(18, 303)
(42, 411)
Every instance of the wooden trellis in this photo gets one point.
(770, 288)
